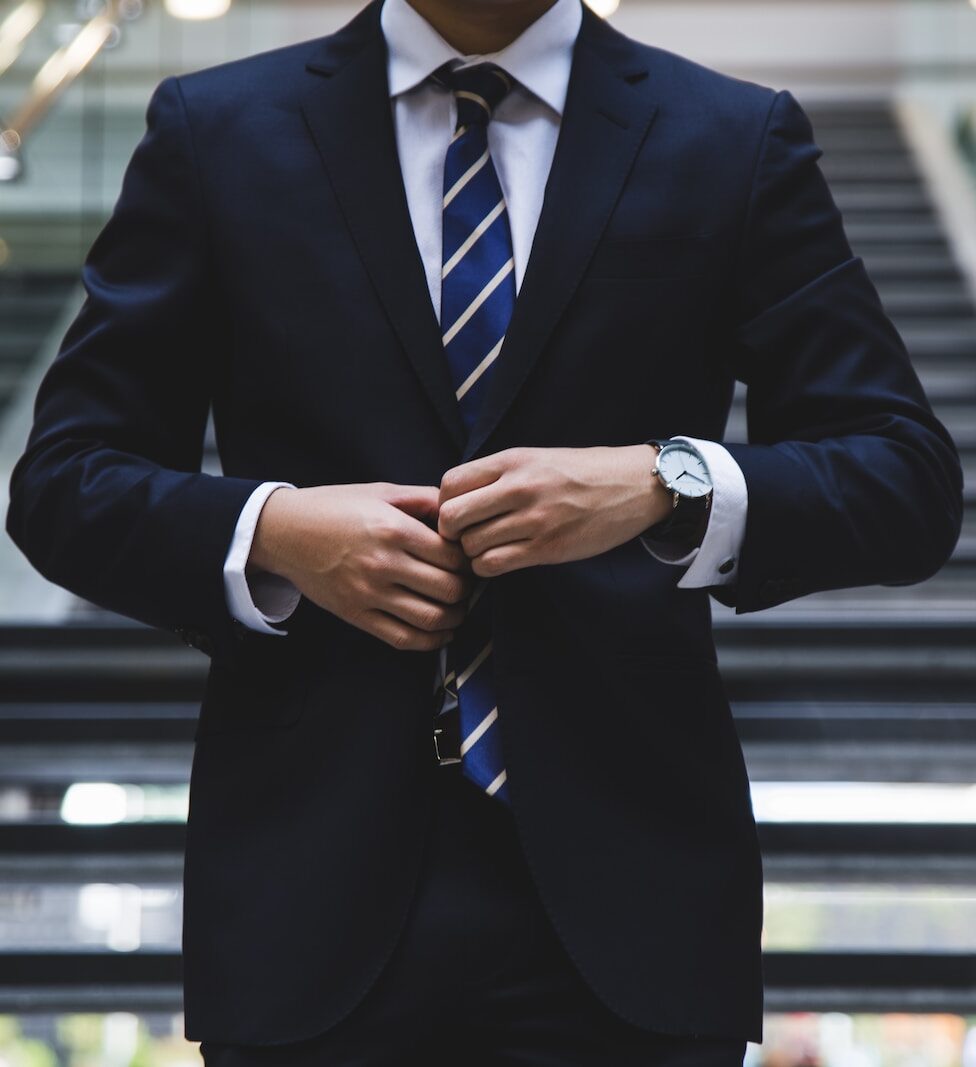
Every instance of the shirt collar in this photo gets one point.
(540, 59)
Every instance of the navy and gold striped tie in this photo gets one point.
(477, 300)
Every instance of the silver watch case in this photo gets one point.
(688, 477)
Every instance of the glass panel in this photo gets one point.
(119, 1039)
(866, 917)
(838, 1040)
(121, 918)
(105, 803)
(863, 802)
(93, 803)
(810, 916)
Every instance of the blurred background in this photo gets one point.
(856, 710)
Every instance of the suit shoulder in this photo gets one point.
(271, 77)
(706, 83)
(701, 88)
(274, 77)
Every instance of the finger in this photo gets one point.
(420, 612)
(476, 473)
(478, 505)
(446, 587)
(419, 501)
(426, 544)
(502, 560)
(515, 526)
(401, 635)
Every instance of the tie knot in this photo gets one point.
(478, 89)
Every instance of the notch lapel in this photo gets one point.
(608, 113)
(348, 112)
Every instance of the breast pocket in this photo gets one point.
(678, 256)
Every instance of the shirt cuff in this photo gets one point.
(716, 560)
(261, 599)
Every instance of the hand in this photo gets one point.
(527, 506)
(365, 553)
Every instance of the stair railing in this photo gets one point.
(57, 73)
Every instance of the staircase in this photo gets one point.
(869, 685)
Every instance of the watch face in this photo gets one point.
(682, 469)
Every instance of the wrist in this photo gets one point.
(654, 501)
(271, 533)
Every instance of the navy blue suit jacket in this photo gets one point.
(260, 259)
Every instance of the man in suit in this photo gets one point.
(457, 283)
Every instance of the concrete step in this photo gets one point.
(938, 338)
(904, 262)
(874, 118)
(908, 197)
(873, 142)
(824, 652)
(927, 299)
(868, 230)
(868, 168)
(948, 382)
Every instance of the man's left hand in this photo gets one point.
(528, 506)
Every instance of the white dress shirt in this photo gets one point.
(522, 139)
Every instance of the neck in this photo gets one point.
(480, 27)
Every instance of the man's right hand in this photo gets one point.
(365, 553)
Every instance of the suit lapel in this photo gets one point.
(608, 113)
(347, 109)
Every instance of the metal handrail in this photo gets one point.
(58, 72)
(18, 25)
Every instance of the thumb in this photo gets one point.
(420, 501)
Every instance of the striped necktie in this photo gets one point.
(477, 299)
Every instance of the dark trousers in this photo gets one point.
(479, 977)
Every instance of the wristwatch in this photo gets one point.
(684, 473)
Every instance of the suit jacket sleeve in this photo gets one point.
(108, 499)
(851, 478)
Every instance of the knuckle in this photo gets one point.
(451, 480)
(400, 638)
(454, 590)
(373, 565)
(521, 488)
(360, 587)
(487, 566)
(537, 519)
(387, 529)
(430, 618)
(448, 516)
